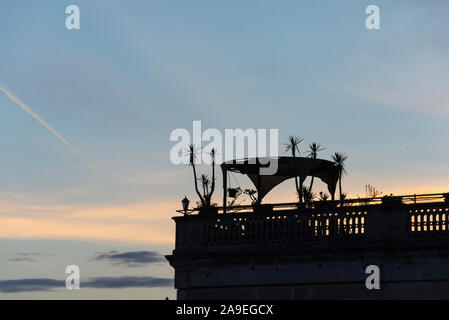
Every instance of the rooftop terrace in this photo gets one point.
(370, 220)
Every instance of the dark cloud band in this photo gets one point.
(132, 258)
(43, 284)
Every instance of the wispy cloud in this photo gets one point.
(132, 258)
(45, 284)
(135, 223)
(22, 105)
(26, 257)
(407, 81)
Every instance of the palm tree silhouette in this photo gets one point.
(191, 152)
(314, 147)
(308, 195)
(339, 159)
(208, 193)
(205, 181)
(292, 145)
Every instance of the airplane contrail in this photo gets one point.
(46, 125)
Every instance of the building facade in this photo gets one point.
(321, 252)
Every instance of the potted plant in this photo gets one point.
(208, 184)
(207, 211)
(324, 202)
(391, 200)
(258, 207)
(262, 208)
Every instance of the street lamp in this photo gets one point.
(185, 204)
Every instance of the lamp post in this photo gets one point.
(185, 204)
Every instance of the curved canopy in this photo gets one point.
(288, 167)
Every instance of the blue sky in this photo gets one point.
(136, 70)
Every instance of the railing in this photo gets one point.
(387, 220)
(404, 199)
(284, 228)
(429, 221)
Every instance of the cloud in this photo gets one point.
(21, 260)
(29, 257)
(411, 81)
(132, 258)
(128, 282)
(21, 285)
(133, 223)
(44, 284)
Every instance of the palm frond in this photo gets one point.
(292, 144)
(340, 159)
(191, 151)
(314, 147)
(213, 153)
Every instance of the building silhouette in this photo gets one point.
(316, 250)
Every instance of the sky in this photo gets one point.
(136, 70)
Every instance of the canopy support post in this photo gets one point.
(225, 186)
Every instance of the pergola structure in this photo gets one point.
(287, 168)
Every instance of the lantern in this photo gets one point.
(185, 204)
